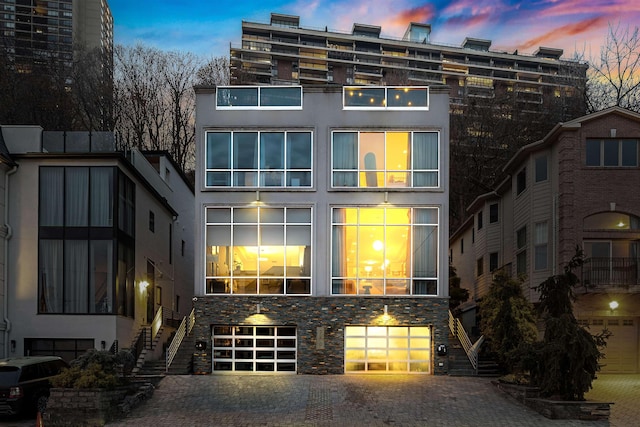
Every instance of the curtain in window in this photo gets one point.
(345, 156)
(77, 197)
(50, 280)
(338, 253)
(51, 196)
(425, 244)
(76, 275)
(101, 277)
(101, 197)
(425, 157)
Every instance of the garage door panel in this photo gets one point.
(621, 351)
(254, 349)
(387, 349)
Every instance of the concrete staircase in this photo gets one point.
(459, 364)
(182, 363)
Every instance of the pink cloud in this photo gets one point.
(422, 14)
(570, 30)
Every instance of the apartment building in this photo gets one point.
(322, 222)
(283, 52)
(575, 188)
(98, 243)
(38, 30)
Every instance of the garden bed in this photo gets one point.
(556, 409)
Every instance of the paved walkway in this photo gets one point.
(358, 400)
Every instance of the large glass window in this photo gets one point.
(385, 159)
(77, 272)
(259, 250)
(253, 97)
(377, 97)
(258, 159)
(612, 152)
(384, 251)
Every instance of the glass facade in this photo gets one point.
(258, 159)
(385, 159)
(81, 244)
(384, 251)
(258, 250)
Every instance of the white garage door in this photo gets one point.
(621, 352)
(254, 349)
(388, 349)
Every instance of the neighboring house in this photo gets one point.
(577, 187)
(98, 242)
(322, 216)
(7, 167)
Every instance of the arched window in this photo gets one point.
(612, 221)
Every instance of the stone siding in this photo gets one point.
(331, 314)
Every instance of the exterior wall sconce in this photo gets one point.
(386, 309)
(613, 305)
(143, 285)
(257, 195)
(386, 197)
(201, 345)
(258, 308)
(13, 346)
(103, 345)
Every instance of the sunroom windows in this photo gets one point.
(385, 98)
(258, 159)
(258, 250)
(385, 159)
(384, 251)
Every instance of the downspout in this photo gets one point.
(5, 276)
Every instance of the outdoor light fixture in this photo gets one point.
(144, 285)
(258, 308)
(386, 309)
(103, 345)
(257, 195)
(386, 197)
(13, 346)
(613, 305)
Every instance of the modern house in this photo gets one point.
(575, 188)
(322, 222)
(98, 243)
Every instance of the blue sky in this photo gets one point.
(207, 27)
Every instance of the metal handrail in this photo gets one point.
(157, 323)
(183, 330)
(470, 348)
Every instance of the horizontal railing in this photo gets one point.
(619, 272)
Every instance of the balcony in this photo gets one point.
(611, 273)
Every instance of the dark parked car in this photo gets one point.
(24, 382)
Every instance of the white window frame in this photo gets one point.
(384, 170)
(258, 275)
(258, 169)
(410, 277)
(259, 99)
(347, 90)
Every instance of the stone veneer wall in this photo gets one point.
(323, 317)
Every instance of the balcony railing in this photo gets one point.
(611, 272)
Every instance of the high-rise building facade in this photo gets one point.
(53, 29)
(282, 52)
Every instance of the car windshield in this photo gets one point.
(9, 376)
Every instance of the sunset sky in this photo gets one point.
(207, 27)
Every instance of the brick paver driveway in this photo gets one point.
(350, 400)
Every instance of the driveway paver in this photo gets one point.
(334, 400)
